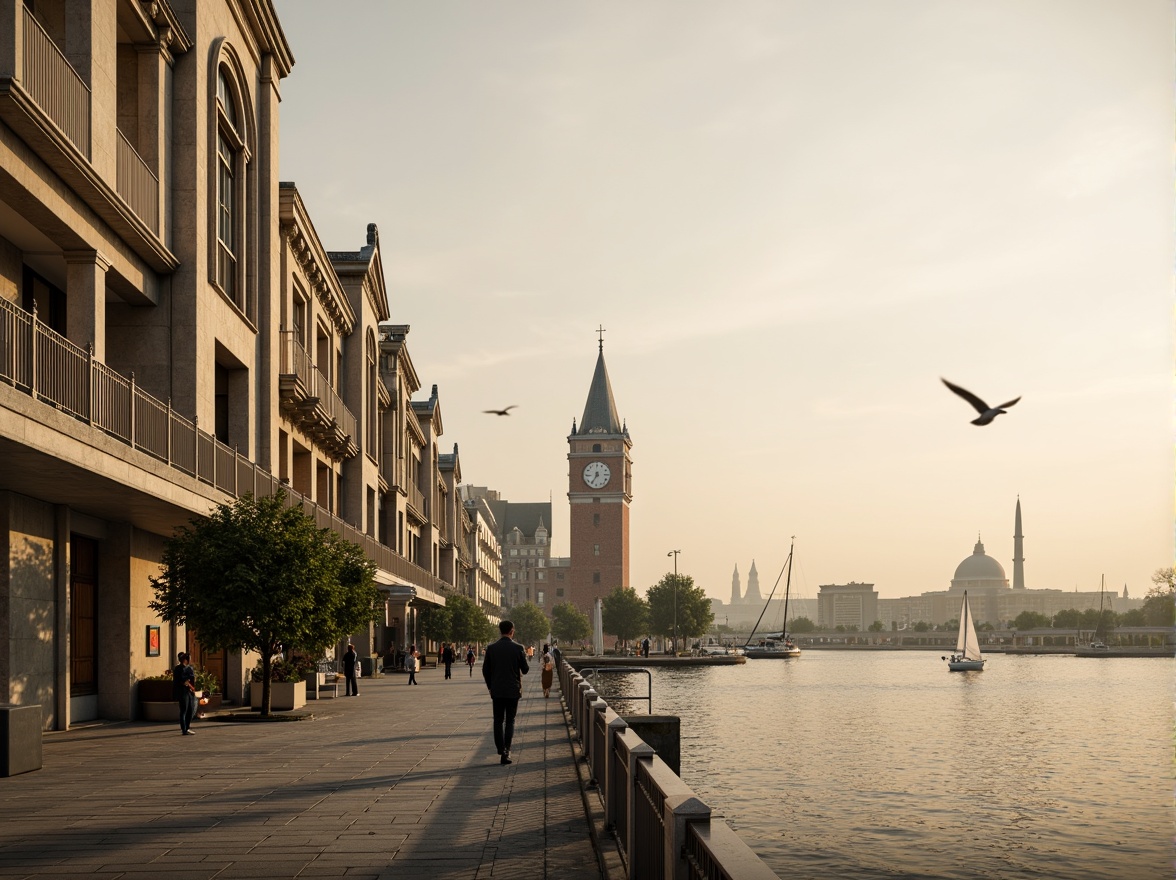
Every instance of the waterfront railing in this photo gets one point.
(662, 829)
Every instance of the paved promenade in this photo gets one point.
(401, 782)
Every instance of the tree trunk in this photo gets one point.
(266, 666)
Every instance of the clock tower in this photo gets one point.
(600, 488)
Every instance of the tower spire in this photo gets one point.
(1018, 551)
(735, 597)
(600, 410)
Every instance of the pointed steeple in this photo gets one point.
(1018, 551)
(600, 411)
(753, 596)
(735, 597)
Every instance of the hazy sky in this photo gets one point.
(792, 218)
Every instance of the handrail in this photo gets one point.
(40, 362)
(52, 82)
(137, 183)
(663, 830)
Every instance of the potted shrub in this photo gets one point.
(156, 702)
(209, 689)
(287, 686)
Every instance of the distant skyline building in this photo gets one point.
(753, 596)
(735, 596)
(1018, 551)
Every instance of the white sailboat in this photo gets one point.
(967, 656)
(770, 648)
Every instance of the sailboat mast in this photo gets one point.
(787, 589)
(788, 565)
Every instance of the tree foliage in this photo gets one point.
(569, 624)
(624, 614)
(802, 625)
(256, 575)
(436, 622)
(1032, 620)
(469, 625)
(694, 614)
(531, 624)
(876, 627)
(1159, 607)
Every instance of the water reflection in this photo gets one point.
(886, 765)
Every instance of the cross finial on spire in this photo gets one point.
(600, 333)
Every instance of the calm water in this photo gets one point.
(879, 765)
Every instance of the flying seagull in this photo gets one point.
(500, 412)
(987, 413)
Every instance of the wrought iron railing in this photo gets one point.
(137, 184)
(40, 362)
(51, 81)
(296, 361)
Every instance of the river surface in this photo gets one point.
(885, 765)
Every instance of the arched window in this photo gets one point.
(230, 155)
(372, 398)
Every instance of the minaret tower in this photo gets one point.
(753, 594)
(735, 597)
(1018, 552)
(600, 489)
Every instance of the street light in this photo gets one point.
(675, 553)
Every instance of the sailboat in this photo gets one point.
(781, 648)
(1097, 647)
(967, 656)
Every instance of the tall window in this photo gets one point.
(372, 397)
(227, 143)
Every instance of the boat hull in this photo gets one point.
(769, 654)
(965, 665)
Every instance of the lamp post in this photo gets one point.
(675, 553)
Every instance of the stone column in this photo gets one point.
(85, 313)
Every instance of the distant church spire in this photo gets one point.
(753, 594)
(1018, 551)
(735, 597)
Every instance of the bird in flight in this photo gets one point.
(987, 413)
(500, 412)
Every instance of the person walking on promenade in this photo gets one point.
(350, 659)
(447, 657)
(645, 647)
(548, 671)
(410, 664)
(503, 666)
(184, 691)
(470, 659)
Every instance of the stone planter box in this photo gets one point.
(284, 695)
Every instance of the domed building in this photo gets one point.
(979, 573)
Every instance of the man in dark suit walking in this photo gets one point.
(503, 667)
(350, 660)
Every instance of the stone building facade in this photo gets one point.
(174, 334)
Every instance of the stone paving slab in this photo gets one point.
(391, 784)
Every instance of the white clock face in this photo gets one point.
(597, 475)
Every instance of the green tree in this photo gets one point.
(694, 614)
(1134, 617)
(1031, 620)
(569, 624)
(256, 575)
(876, 627)
(531, 624)
(468, 623)
(921, 626)
(1071, 618)
(435, 622)
(802, 625)
(624, 614)
(1159, 607)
